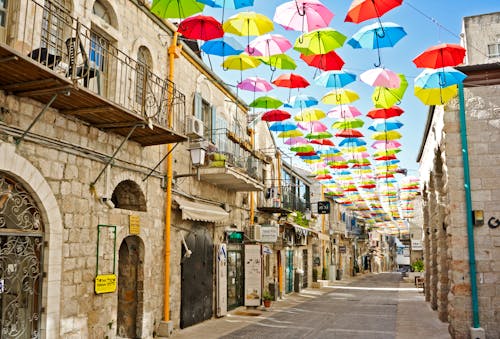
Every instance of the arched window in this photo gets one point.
(144, 65)
(99, 10)
(129, 196)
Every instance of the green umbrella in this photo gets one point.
(279, 61)
(266, 102)
(169, 9)
(384, 97)
(318, 135)
(302, 148)
(348, 124)
(319, 41)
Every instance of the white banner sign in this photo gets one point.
(268, 234)
(416, 245)
(253, 271)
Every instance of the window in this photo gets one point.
(144, 64)
(55, 18)
(494, 50)
(98, 48)
(99, 10)
(206, 113)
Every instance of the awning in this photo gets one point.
(200, 211)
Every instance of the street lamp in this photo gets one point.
(198, 151)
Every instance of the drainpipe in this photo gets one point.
(323, 242)
(252, 212)
(468, 200)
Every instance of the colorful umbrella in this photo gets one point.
(383, 97)
(335, 79)
(318, 135)
(319, 41)
(330, 61)
(170, 9)
(291, 80)
(362, 10)
(268, 44)
(312, 126)
(275, 115)
(301, 101)
(379, 144)
(303, 15)
(255, 84)
(390, 135)
(323, 142)
(436, 96)
(385, 125)
(279, 61)
(200, 27)
(240, 62)
(248, 24)
(340, 97)
(222, 47)
(310, 114)
(382, 77)
(385, 113)
(349, 133)
(231, 4)
(443, 77)
(342, 112)
(303, 148)
(266, 102)
(440, 56)
(376, 35)
(282, 126)
(350, 142)
(295, 141)
(348, 124)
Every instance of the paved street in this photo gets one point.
(370, 306)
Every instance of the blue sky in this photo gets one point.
(427, 23)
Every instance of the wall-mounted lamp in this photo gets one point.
(478, 217)
(198, 151)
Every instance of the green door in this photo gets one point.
(289, 272)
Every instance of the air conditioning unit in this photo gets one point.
(253, 232)
(194, 128)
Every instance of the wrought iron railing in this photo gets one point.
(47, 33)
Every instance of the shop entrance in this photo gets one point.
(289, 272)
(234, 277)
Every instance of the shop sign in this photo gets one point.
(342, 249)
(416, 245)
(134, 224)
(268, 233)
(323, 207)
(105, 283)
(235, 237)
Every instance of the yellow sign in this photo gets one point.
(134, 224)
(105, 283)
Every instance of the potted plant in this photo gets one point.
(267, 298)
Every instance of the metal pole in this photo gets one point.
(468, 200)
(44, 109)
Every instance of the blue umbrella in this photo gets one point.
(352, 142)
(282, 126)
(376, 36)
(232, 4)
(310, 157)
(222, 47)
(443, 77)
(301, 101)
(336, 79)
(385, 125)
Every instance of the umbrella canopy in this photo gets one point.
(342, 112)
(248, 24)
(222, 47)
(385, 34)
(349, 133)
(303, 15)
(170, 9)
(240, 62)
(318, 135)
(200, 27)
(390, 135)
(362, 10)
(279, 61)
(282, 126)
(323, 142)
(255, 84)
(385, 113)
(301, 101)
(268, 44)
(295, 140)
(349, 142)
(381, 144)
(385, 125)
(330, 61)
(291, 80)
(319, 41)
(340, 97)
(312, 126)
(310, 114)
(436, 96)
(381, 77)
(303, 148)
(348, 124)
(231, 4)
(384, 97)
(440, 56)
(275, 115)
(443, 77)
(335, 79)
(266, 102)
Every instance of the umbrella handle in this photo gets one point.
(442, 80)
(379, 60)
(298, 9)
(382, 27)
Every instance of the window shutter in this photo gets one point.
(197, 105)
(214, 123)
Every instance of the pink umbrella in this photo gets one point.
(268, 44)
(341, 112)
(255, 84)
(382, 144)
(303, 15)
(312, 126)
(296, 140)
(381, 77)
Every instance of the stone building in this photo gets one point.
(455, 244)
(91, 93)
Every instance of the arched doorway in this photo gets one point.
(21, 248)
(130, 288)
(197, 279)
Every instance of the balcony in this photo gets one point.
(232, 164)
(51, 57)
(270, 201)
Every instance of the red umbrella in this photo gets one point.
(385, 113)
(350, 133)
(200, 27)
(276, 115)
(324, 142)
(305, 154)
(387, 157)
(291, 80)
(330, 61)
(362, 10)
(440, 56)
(323, 177)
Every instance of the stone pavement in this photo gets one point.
(414, 318)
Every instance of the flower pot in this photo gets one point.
(267, 303)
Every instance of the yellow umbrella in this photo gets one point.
(382, 152)
(436, 96)
(389, 135)
(240, 62)
(290, 134)
(311, 114)
(248, 24)
(340, 96)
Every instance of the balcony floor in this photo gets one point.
(25, 77)
(230, 179)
